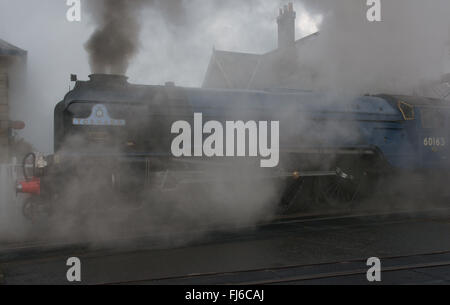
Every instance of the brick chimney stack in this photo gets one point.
(286, 26)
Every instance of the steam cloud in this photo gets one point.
(401, 54)
(398, 55)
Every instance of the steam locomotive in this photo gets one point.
(120, 133)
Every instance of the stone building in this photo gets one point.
(279, 68)
(12, 63)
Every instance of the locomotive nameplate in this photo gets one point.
(98, 117)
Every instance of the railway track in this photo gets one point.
(299, 249)
(304, 274)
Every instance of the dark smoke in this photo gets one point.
(116, 39)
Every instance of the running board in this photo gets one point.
(171, 180)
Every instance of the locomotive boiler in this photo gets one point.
(122, 134)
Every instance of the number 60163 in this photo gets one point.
(431, 141)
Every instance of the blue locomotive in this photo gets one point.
(344, 143)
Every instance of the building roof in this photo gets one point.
(235, 70)
(7, 49)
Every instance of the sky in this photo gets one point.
(173, 48)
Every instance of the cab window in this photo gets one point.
(407, 111)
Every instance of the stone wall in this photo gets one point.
(4, 112)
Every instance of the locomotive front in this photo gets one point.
(108, 139)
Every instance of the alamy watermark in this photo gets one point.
(74, 11)
(74, 272)
(374, 272)
(227, 141)
(374, 11)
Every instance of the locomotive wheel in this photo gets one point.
(29, 209)
(291, 192)
(341, 190)
(333, 192)
(33, 209)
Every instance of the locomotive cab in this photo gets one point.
(426, 122)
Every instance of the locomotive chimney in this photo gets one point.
(286, 26)
(108, 79)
